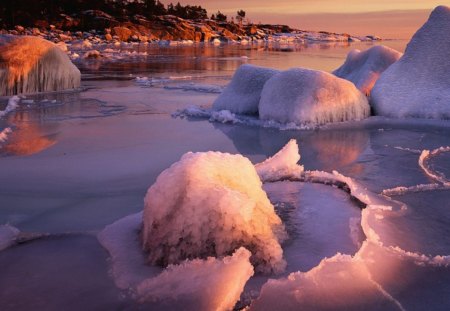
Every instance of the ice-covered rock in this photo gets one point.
(210, 204)
(364, 68)
(92, 54)
(417, 85)
(211, 284)
(243, 93)
(31, 64)
(282, 165)
(310, 97)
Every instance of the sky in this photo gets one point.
(386, 18)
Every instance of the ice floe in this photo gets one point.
(282, 164)
(210, 284)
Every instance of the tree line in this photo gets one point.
(27, 12)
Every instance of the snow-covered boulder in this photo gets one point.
(417, 85)
(32, 64)
(310, 97)
(243, 93)
(210, 204)
(199, 285)
(364, 68)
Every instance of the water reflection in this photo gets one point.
(151, 58)
(27, 137)
(321, 149)
(36, 126)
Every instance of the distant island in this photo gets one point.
(142, 21)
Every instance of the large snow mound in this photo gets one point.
(211, 284)
(32, 64)
(417, 85)
(364, 68)
(210, 204)
(282, 165)
(310, 97)
(243, 93)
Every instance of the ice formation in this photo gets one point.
(424, 156)
(337, 283)
(13, 102)
(32, 64)
(243, 93)
(128, 261)
(417, 84)
(311, 97)
(282, 164)
(211, 284)
(8, 235)
(210, 204)
(364, 68)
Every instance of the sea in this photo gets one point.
(75, 162)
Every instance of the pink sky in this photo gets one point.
(387, 18)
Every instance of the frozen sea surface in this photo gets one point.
(74, 162)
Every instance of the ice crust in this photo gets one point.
(311, 97)
(8, 236)
(13, 102)
(199, 285)
(364, 68)
(282, 165)
(210, 204)
(31, 64)
(338, 283)
(417, 84)
(243, 93)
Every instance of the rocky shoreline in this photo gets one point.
(169, 28)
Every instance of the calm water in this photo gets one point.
(76, 162)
